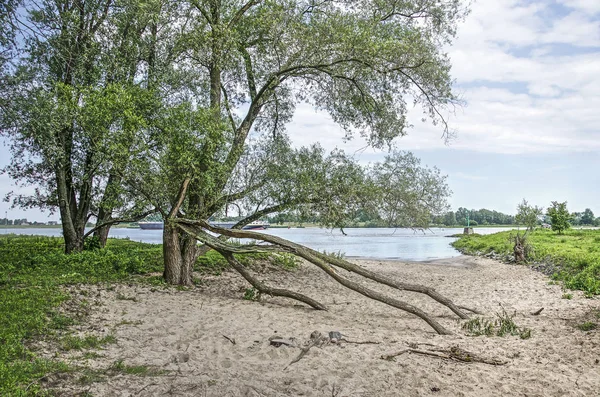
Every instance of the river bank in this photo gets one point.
(209, 341)
(572, 257)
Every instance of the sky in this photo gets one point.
(529, 73)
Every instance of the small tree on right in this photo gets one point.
(559, 216)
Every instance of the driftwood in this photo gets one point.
(537, 312)
(324, 262)
(232, 340)
(454, 353)
(316, 339)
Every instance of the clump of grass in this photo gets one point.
(587, 326)
(251, 294)
(335, 254)
(567, 296)
(285, 261)
(502, 325)
(71, 342)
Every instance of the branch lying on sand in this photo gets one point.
(316, 339)
(454, 353)
(322, 261)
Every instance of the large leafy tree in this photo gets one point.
(79, 91)
(587, 218)
(359, 61)
(252, 62)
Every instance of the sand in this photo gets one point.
(188, 335)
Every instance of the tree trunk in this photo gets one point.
(106, 208)
(180, 253)
(172, 255)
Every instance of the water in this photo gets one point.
(377, 243)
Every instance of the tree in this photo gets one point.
(260, 59)
(79, 92)
(450, 219)
(587, 218)
(559, 216)
(528, 215)
(203, 129)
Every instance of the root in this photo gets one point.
(316, 339)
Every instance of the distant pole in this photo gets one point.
(6, 222)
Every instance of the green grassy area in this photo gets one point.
(33, 273)
(573, 257)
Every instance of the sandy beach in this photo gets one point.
(209, 341)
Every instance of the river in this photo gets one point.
(375, 243)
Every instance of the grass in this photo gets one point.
(71, 342)
(33, 272)
(502, 325)
(574, 256)
(587, 326)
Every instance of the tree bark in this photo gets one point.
(172, 255)
(106, 208)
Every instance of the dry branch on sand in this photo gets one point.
(453, 353)
(197, 229)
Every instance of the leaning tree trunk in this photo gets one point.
(323, 262)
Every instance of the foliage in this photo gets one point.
(285, 261)
(587, 326)
(251, 294)
(32, 270)
(502, 325)
(71, 342)
(528, 215)
(560, 217)
(573, 257)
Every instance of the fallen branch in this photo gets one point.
(315, 339)
(471, 310)
(537, 312)
(228, 338)
(454, 353)
(366, 342)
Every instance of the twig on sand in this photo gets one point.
(537, 312)
(145, 387)
(228, 338)
(454, 353)
(316, 338)
(366, 342)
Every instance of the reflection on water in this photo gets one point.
(378, 243)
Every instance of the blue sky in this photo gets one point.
(529, 72)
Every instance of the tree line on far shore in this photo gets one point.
(482, 216)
